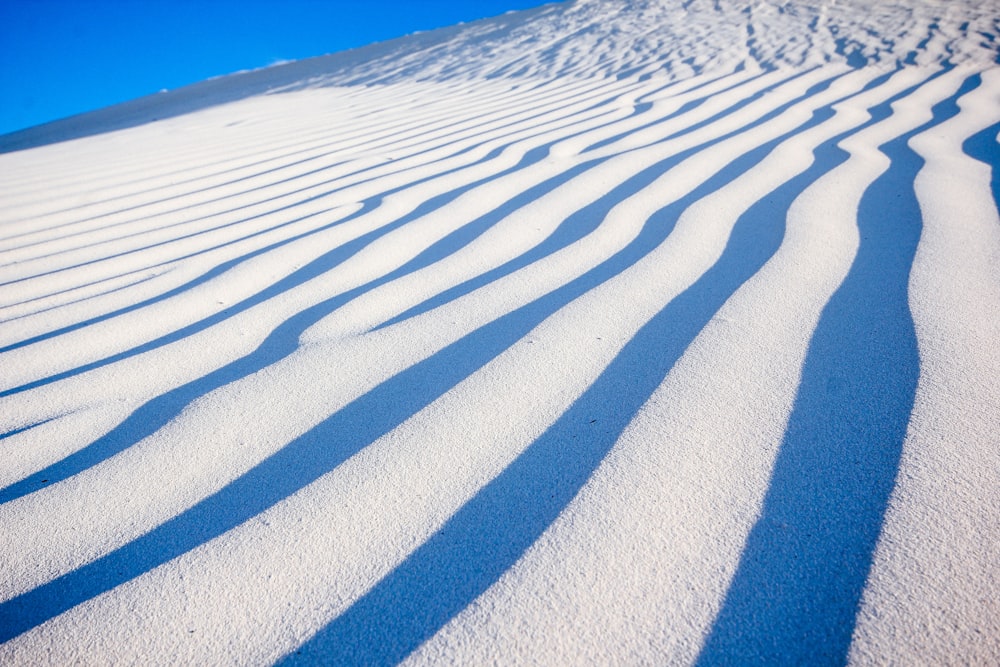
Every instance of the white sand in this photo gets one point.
(610, 332)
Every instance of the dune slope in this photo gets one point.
(609, 332)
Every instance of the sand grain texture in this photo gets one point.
(608, 332)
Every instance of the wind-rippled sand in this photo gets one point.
(609, 332)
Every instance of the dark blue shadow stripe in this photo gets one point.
(24, 429)
(983, 146)
(796, 591)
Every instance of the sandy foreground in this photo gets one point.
(609, 332)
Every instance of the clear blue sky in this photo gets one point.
(62, 57)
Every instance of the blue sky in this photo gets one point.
(62, 57)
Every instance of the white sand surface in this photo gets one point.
(608, 332)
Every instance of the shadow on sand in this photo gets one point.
(796, 591)
(341, 435)
(158, 411)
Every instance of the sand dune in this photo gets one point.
(614, 332)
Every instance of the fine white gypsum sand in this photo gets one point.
(607, 332)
